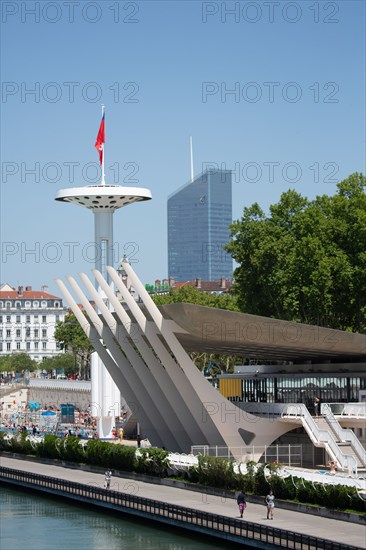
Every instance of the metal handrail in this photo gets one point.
(213, 524)
(341, 433)
(348, 410)
(321, 436)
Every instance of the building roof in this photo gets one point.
(199, 176)
(6, 287)
(27, 295)
(213, 330)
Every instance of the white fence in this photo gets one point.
(289, 455)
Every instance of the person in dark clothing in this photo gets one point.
(242, 503)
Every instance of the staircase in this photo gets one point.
(324, 431)
(346, 438)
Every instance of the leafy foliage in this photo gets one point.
(211, 471)
(217, 472)
(306, 260)
(63, 361)
(260, 483)
(72, 337)
(153, 461)
(18, 362)
(190, 295)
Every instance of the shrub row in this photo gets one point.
(152, 461)
(211, 471)
(259, 479)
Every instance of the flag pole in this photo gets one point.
(103, 145)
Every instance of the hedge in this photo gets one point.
(211, 471)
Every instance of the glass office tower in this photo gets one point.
(199, 215)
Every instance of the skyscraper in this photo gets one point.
(199, 215)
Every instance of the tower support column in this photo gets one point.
(109, 396)
(103, 200)
(103, 235)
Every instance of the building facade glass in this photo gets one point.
(199, 215)
(295, 389)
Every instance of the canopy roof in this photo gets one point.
(212, 330)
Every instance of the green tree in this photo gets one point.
(190, 295)
(17, 362)
(64, 361)
(72, 338)
(306, 260)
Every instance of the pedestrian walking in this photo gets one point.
(316, 406)
(270, 504)
(107, 478)
(242, 503)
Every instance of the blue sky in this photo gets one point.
(164, 70)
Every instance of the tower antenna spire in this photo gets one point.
(191, 157)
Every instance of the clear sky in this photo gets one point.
(295, 117)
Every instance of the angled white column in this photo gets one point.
(147, 381)
(132, 395)
(200, 431)
(179, 413)
(215, 420)
(130, 374)
(211, 400)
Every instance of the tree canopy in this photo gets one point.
(71, 337)
(190, 295)
(63, 361)
(17, 362)
(306, 260)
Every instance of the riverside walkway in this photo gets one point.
(342, 534)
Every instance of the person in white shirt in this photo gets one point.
(270, 504)
(107, 477)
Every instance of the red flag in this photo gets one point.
(100, 140)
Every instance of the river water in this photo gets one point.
(29, 521)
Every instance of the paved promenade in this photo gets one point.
(335, 530)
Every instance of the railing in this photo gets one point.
(289, 455)
(324, 437)
(344, 434)
(244, 532)
(352, 410)
(356, 410)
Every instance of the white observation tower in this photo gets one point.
(103, 200)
